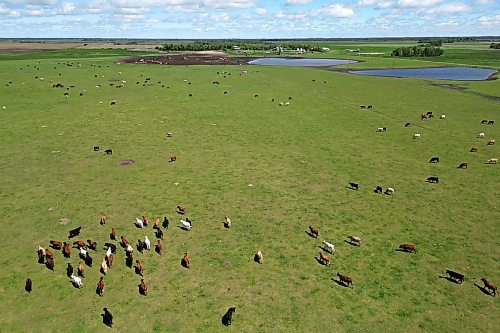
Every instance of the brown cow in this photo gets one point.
(50, 263)
(157, 222)
(124, 241)
(139, 268)
(81, 269)
(490, 286)
(49, 254)
(103, 220)
(143, 288)
(173, 158)
(408, 247)
(92, 245)
(145, 220)
(79, 244)
(159, 247)
(56, 245)
(181, 210)
(473, 150)
(185, 261)
(345, 279)
(491, 142)
(109, 260)
(100, 286)
(462, 165)
(314, 232)
(66, 250)
(324, 259)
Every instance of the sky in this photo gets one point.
(189, 19)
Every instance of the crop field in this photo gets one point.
(274, 170)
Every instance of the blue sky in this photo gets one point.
(247, 18)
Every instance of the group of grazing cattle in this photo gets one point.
(330, 248)
(46, 255)
(488, 288)
(378, 189)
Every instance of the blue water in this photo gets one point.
(309, 62)
(441, 73)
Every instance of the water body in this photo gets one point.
(308, 62)
(439, 73)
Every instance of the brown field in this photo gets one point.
(17, 46)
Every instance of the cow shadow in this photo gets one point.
(141, 291)
(340, 283)
(75, 285)
(183, 228)
(137, 271)
(351, 243)
(157, 250)
(226, 225)
(484, 290)
(449, 279)
(325, 249)
(407, 251)
(97, 291)
(256, 258)
(184, 264)
(128, 262)
(310, 234)
(320, 261)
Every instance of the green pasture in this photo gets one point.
(298, 160)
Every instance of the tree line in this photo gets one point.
(495, 46)
(225, 46)
(418, 51)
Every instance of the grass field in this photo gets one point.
(298, 159)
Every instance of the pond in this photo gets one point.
(439, 73)
(301, 62)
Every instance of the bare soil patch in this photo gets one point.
(64, 221)
(198, 58)
(125, 162)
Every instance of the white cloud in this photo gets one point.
(485, 2)
(417, 3)
(298, 2)
(334, 10)
(489, 20)
(260, 11)
(456, 7)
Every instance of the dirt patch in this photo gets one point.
(226, 263)
(212, 58)
(64, 221)
(125, 162)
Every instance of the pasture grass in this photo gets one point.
(298, 159)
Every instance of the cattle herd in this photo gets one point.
(84, 248)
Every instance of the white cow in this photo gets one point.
(108, 252)
(330, 246)
(77, 281)
(129, 248)
(186, 225)
(493, 160)
(83, 252)
(416, 136)
(138, 223)
(480, 135)
(443, 116)
(147, 242)
(389, 191)
(104, 266)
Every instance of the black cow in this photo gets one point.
(434, 160)
(29, 285)
(113, 102)
(159, 233)
(369, 106)
(107, 318)
(74, 232)
(228, 316)
(491, 122)
(108, 151)
(165, 223)
(112, 246)
(433, 179)
(459, 278)
(69, 270)
(354, 186)
(378, 189)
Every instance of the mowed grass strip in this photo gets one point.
(298, 158)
